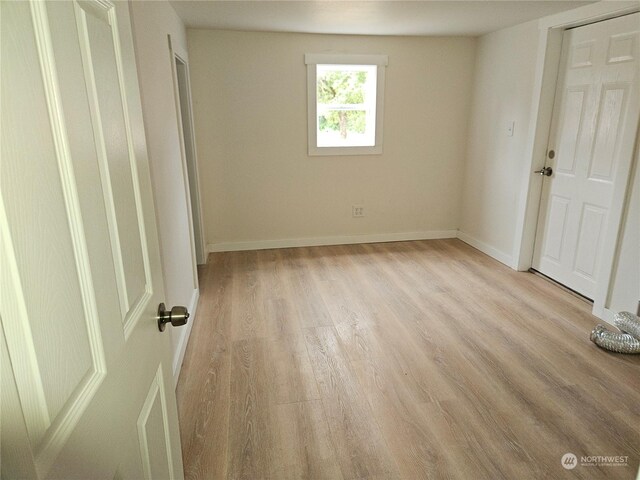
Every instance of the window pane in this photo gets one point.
(346, 105)
(344, 128)
(341, 84)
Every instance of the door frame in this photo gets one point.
(194, 210)
(551, 30)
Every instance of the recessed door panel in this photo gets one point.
(572, 118)
(612, 106)
(589, 235)
(581, 54)
(557, 221)
(53, 333)
(100, 50)
(43, 248)
(622, 48)
(155, 446)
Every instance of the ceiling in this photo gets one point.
(372, 17)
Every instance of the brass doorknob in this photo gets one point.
(177, 316)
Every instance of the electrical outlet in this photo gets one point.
(357, 210)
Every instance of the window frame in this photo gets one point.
(312, 60)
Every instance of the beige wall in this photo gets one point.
(496, 162)
(152, 22)
(258, 184)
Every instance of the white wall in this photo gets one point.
(496, 162)
(152, 22)
(258, 183)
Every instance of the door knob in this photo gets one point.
(177, 316)
(546, 171)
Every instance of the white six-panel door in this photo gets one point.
(86, 375)
(596, 96)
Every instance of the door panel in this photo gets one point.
(622, 48)
(111, 132)
(581, 54)
(612, 106)
(596, 101)
(80, 261)
(589, 234)
(97, 28)
(153, 432)
(43, 238)
(573, 117)
(558, 222)
(13, 427)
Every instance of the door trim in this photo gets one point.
(194, 215)
(551, 30)
(182, 58)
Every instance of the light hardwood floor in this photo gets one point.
(409, 360)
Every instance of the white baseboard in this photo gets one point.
(337, 240)
(488, 249)
(185, 332)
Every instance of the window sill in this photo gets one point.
(344, 151)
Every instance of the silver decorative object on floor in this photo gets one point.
(626, 342)
(627, 322)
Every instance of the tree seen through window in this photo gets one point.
(346, 103)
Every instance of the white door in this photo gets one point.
(596, 103)
(86, 374)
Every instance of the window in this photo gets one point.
(345, 103)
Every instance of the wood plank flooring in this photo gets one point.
(410, 360)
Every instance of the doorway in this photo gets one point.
(185, 120)
(594, 102)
